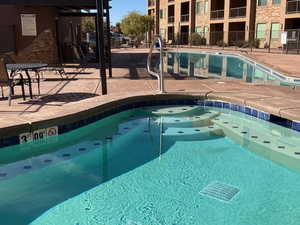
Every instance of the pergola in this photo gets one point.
(102, 7)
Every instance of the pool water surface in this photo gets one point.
(151, 166)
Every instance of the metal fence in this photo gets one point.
(217, 14)
(238, 12)
(293, 6)
(266, 41)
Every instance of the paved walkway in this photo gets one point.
(82, 91)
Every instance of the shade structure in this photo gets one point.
(102, 7)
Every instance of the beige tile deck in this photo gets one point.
(82, 91)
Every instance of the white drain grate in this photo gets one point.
(220, 191)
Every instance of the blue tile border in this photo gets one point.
(294, 125)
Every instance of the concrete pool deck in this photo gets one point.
(61, 97)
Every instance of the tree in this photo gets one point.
(118, 28)
(88, 25)
(136, 25)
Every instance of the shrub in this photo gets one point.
(254, 43)
(222, 44)
(197, 39)
(242, 44)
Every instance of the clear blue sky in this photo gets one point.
(120, 8)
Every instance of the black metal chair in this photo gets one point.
(10, 82)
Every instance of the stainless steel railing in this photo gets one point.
(157, 42)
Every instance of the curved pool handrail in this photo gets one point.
(160, 78)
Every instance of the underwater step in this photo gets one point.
(203, 119)
(196, 133)
(262, 141)
(172, 110)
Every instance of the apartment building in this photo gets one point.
(228, 21)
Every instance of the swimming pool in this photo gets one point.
(163, 165)
(225, 66)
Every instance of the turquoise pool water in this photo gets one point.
(149, 166)
(225, 66)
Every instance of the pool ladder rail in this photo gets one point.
(157, 43)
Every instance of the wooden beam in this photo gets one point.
(69, 3)
(78, 14)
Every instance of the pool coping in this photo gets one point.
(75, 119)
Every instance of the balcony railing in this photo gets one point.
(171, 19)
(217, 14)
(151, 3)
(238, 12)
(185, 18)
(293, 7)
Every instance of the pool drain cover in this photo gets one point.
(220, 191)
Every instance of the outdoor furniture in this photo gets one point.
(26, 67)
(10, 82)
(56, 68)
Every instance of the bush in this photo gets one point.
(197, 39)
(254, 43)
(222, 44)
(242, 44)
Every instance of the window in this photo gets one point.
(206, 6)
(161, 13)
(274, 2)
(262, 2)
(201, 7)
(199, 30)
(197, 8)
(275, 29)
(205, 31)
(261, 30)
(162, 33)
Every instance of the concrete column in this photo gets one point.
(226, 17)
(248, 21)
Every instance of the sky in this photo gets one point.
(120, 8)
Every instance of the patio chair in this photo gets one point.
(6, 81)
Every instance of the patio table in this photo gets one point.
(26, 67)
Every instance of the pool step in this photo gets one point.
(283, 150)
(36, 163)
(172, 110)
(192, 133)
(192, 121)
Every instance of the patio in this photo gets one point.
(81, 92)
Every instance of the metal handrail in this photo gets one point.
(160, 77)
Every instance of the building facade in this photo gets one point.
(40, 30)
(227, 21)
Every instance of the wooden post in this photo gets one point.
(101, 50)
(108, 36)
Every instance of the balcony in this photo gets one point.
(238, 12)
(151, 3)
(293, 7)
(217, 14)
(171, 19)
(185, 18)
